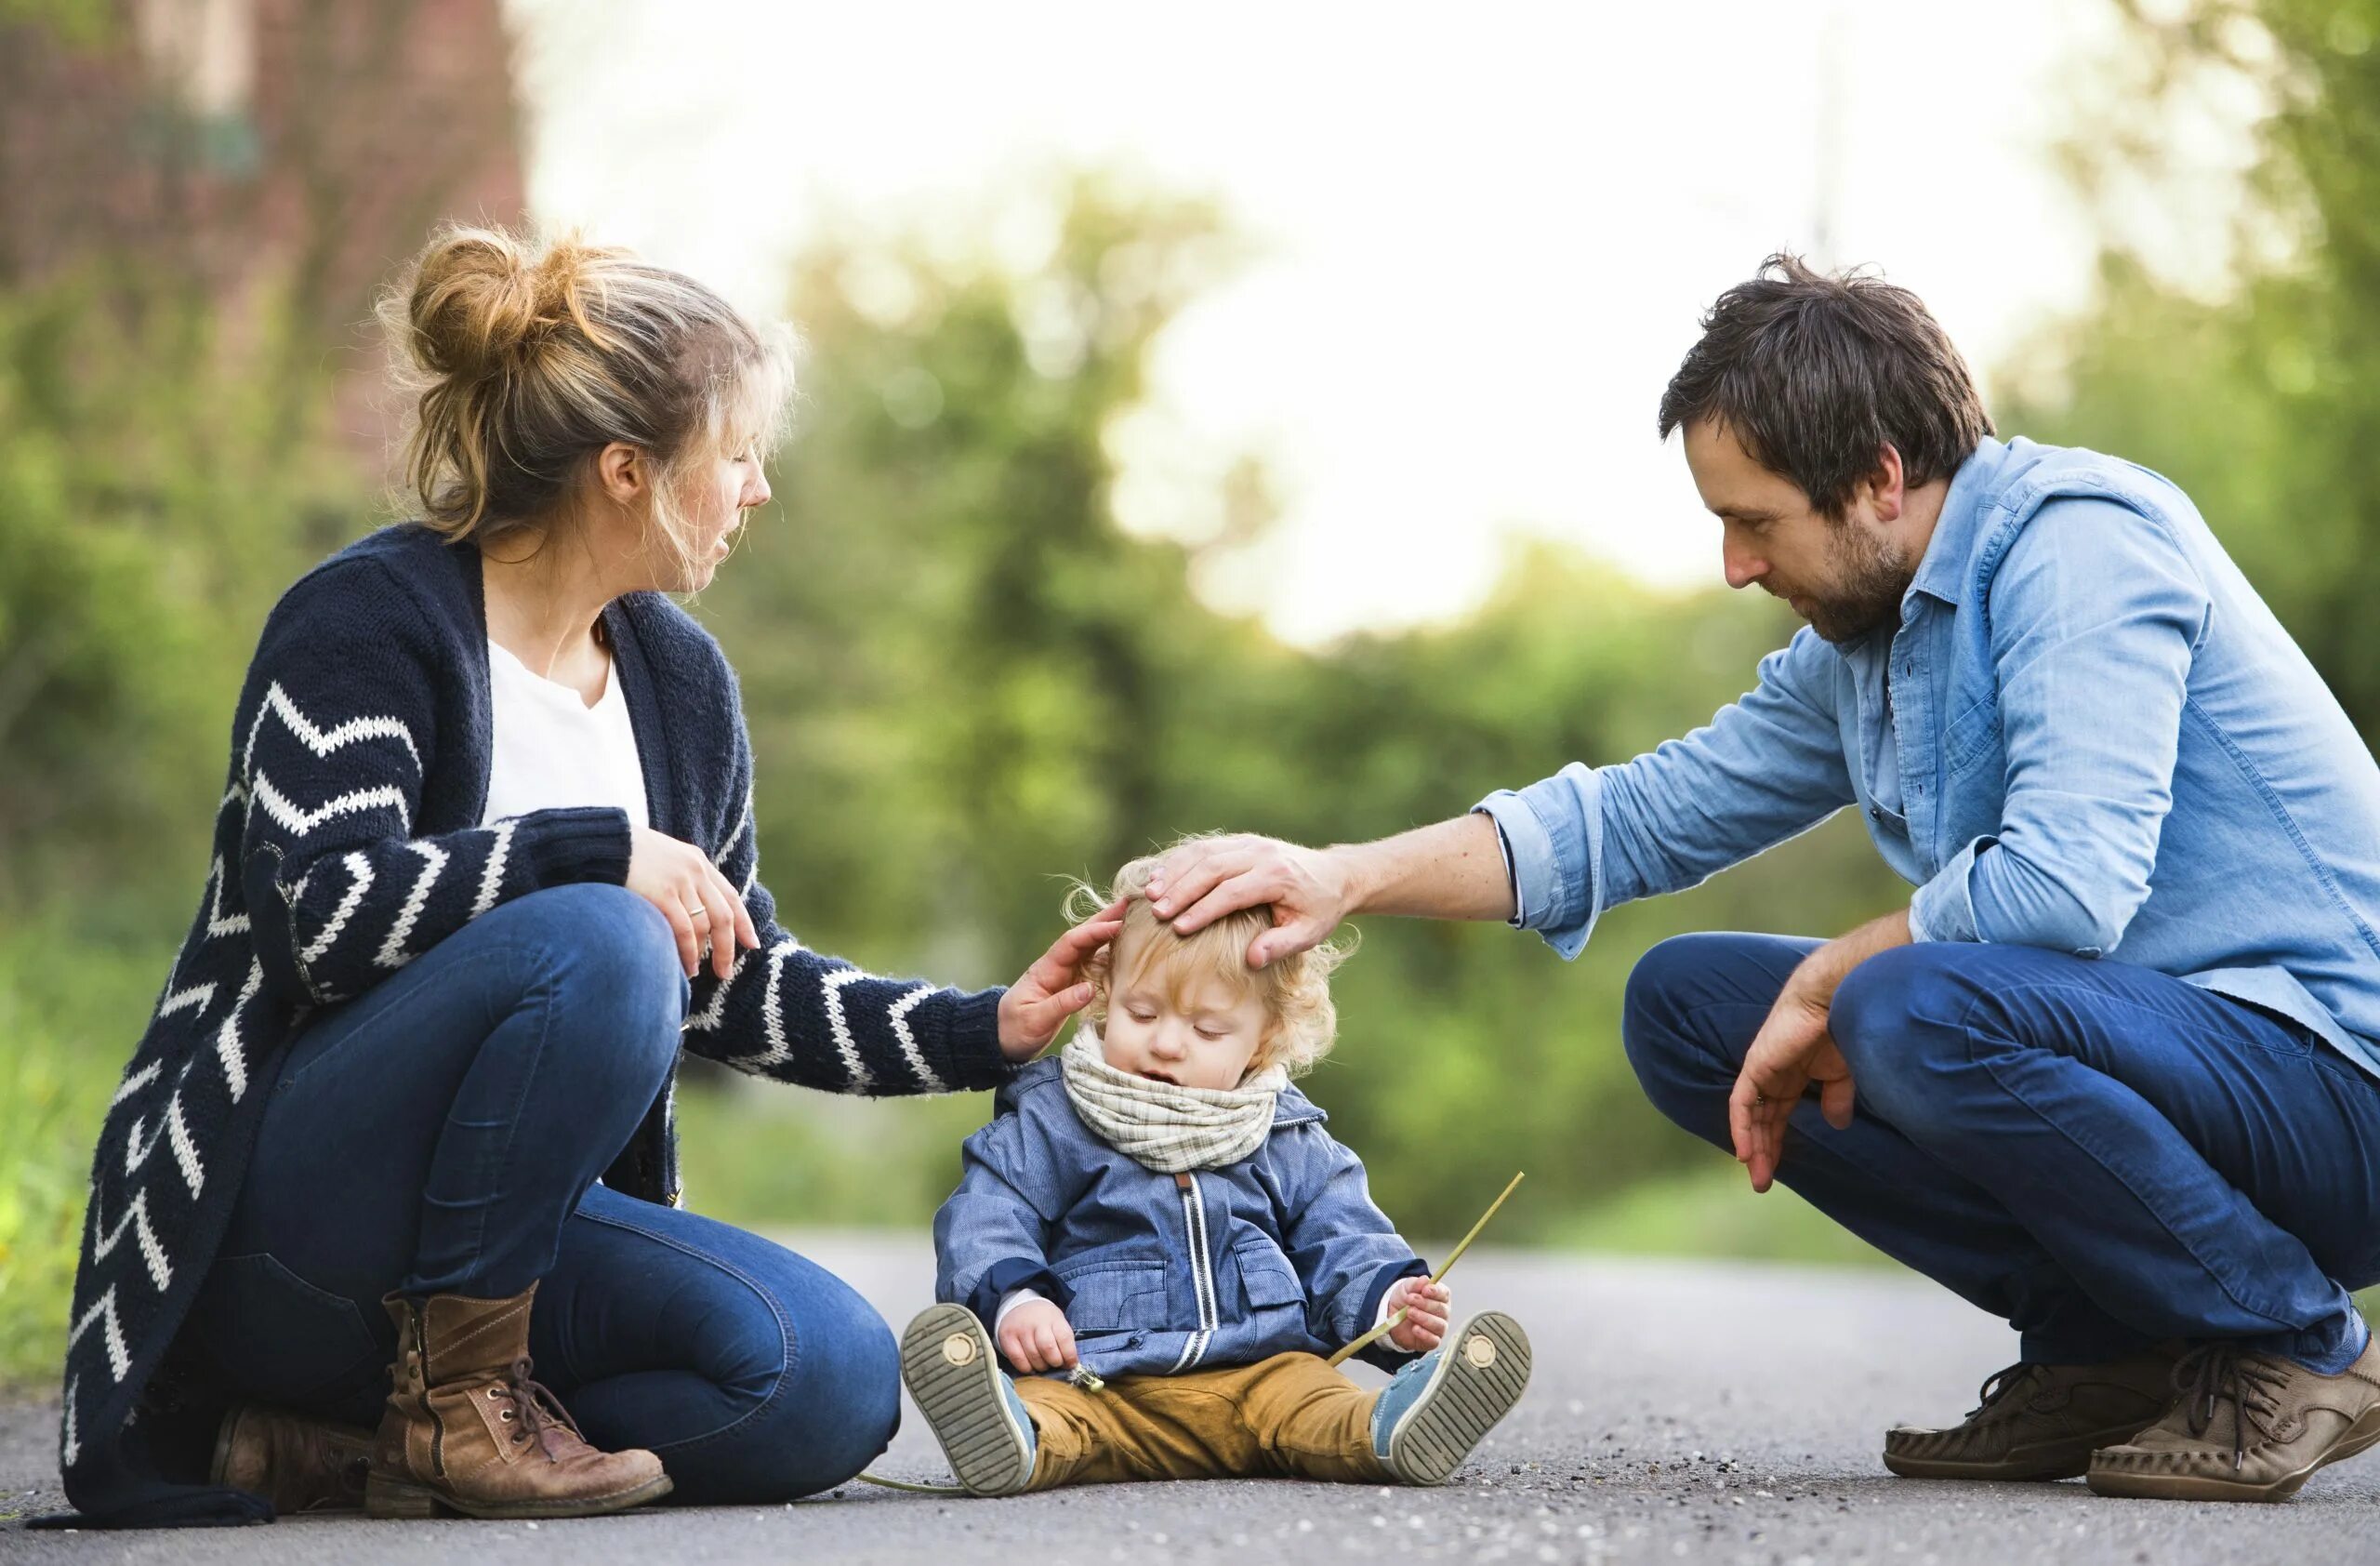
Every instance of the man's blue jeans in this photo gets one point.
(443, 1133)
(2103, 1155)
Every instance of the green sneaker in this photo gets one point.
(1437, 1408)
(949, 1366)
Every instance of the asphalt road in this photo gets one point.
(1701, 1412)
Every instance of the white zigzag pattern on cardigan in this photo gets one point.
(392, 952)
(322, 741)
(358, 870)
(900, 1017)
(300, 776)
(135, 1217)
(172, 1127)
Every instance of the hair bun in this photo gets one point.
(483, 304)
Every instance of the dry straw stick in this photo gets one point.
(1456, 1256)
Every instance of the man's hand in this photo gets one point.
(1200, 881)
(1793, 1049)
(1034, 1336)
(1453, 869)
(1052, 989)
(1425, 1305)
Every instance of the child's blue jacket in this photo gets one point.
(1163, 1273)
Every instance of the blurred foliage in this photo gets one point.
(2261, 402)
(155, 507)
(966, 682)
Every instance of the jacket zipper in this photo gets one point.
(1202, 1273)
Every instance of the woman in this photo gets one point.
(399, 1126)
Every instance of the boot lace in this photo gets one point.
(541, 1412)
(2001, 1382)
(2219, 1372)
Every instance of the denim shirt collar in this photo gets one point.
(1949, 555)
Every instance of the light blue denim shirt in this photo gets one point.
(2087, 734)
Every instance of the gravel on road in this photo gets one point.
(1680, 1411)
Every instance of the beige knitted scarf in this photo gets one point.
(1163, 1127)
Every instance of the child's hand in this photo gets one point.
(1424, 1304)
(1034, 1336)
(1054, 989)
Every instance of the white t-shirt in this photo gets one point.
(553, 750)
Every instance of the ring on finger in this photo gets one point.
(696, 911)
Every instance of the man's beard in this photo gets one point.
(1871, 577)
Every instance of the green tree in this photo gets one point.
(2261, 402)
(966, 682)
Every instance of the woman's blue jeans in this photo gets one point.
(443, 1133)
(2102, 1155)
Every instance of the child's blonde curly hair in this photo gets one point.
(1295, 990)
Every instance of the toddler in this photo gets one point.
(1166, 1242)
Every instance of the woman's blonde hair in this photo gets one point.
(528, 357)
(1295, 990)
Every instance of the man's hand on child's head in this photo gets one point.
(1425, 1305)
(1054, 989)
(1203, 880)
(1034, 1336)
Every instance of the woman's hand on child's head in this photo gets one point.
(1425, 1305)
(1052, 989)
(1034, 1336)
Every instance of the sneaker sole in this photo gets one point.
(949, 1366)
(2360, 1437)
(1472, 1388)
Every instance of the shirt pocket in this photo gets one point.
(1265, 1276)
(1973, 737)
(1115, 1295)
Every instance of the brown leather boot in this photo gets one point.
(298, 1463)
(2040, 1422)
(465, 1430)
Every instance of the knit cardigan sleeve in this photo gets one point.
(798, 1015)
(336, 733)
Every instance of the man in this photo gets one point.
(2114, 1064)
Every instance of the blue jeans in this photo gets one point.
(443, 1133)
(2102, 1155)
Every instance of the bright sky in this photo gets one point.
(1484, 232)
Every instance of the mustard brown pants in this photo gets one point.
(1292, 1416)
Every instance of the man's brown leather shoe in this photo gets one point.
(298, 1463)
(466, 1430)
(2247, 1427)
(2040, 1422)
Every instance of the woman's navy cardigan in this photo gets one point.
(348, 842)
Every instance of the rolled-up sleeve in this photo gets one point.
(2095, 614)
(1942, 910)
(1766, 768)
(1553, 832)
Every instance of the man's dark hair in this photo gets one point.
(1815, 375)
